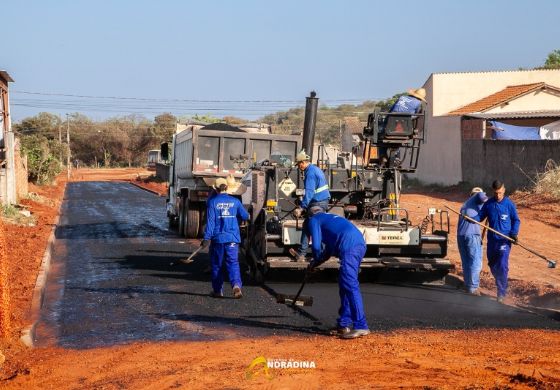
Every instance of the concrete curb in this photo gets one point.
(28, 333)
(147, 189)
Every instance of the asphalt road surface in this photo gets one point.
(116, 277)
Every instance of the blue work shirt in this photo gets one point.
(471, 208)
(221, 219)
(315, 184)
(502, 216)
(407, 103)
(332, 235)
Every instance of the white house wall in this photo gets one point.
(440, 157)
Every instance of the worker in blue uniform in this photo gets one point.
(223, 236)
(332, 235)
(316, 194)
(502, 217)
(469, 240)
(411, 103)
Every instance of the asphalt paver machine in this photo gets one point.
(365, 184)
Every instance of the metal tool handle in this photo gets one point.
(551, 263)
(189, 259)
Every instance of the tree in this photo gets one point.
(164, 126)
(44, 124)
(553, 60)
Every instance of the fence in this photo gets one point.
(516, 163)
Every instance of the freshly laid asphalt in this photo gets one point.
(116, 277)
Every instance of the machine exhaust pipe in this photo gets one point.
(311, 104)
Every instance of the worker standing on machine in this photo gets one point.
(332, 235)
(222, 233)
(316, 194)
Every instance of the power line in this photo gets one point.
(185, 100)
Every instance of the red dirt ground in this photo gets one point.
(477, 359)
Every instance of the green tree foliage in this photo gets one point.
(44, 123)
(553, 60)
(42, 162)
(164, 126)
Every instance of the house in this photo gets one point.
(459, 108)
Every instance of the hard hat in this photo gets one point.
(302, 156)
(220, 181)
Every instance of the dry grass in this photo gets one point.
(548, 183)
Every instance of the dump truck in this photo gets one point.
(200, 154)
(365, 184)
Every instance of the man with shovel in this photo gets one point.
(222, 229)
(502, 217)
(332, 235)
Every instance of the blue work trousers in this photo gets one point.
(498, 261)
(324, 204)
(218, 253)
(470, 249)
(351, 312)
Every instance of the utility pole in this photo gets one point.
(68, 166)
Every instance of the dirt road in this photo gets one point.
(416, 357)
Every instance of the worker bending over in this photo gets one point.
(332, 235)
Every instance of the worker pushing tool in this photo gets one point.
(332, 235)
(222, 229)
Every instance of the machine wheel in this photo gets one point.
(172, 223)
(182, 217)
(202, 220)
(192, 220)
(257, 256)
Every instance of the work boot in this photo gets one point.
(215, 294)
(500, 299)
(295, 254)
(339, 330)
(355, 333)
(237, 292)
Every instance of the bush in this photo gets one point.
(43, 164)
(548, 183)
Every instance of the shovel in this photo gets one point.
(551, 263)
(298, 299)
(190, 258)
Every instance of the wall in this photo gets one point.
(483, 161)
(440, 160)
(22, 185)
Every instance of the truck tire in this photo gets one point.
(192, 220)
(202, 220)
(182, 217)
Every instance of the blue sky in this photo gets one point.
(193, 55)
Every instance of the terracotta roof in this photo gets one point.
(501, 97)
